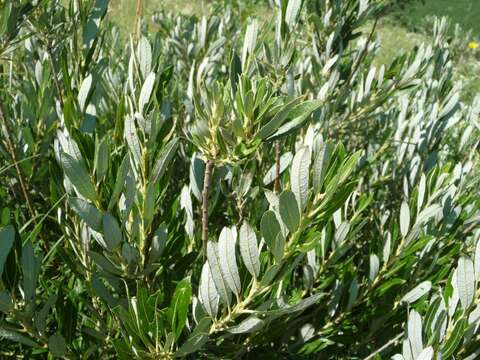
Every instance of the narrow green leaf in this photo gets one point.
(16, 337)
(248, 325)
(104, 263)
(300, 306)
(119, 181)
(299, 114)
(415, 294)
(228, 260)
(270, 229)
(320, 165)
(454, 339)
(292, 12)
(84, 91)
(5, 302)
(30, 268)
(285, 161)
(130, 133)
(146, 92)
(250, 41)
(164, 159)
(57, 345)
(7, 238)
(299, 176)
(112, 232)
(178, 310)
(476, 259)
(216, 272)
(88, 213)
(289, 210)
(40, 319)
(159, 242)
(79, 177)
(197, 339)
(101, 159)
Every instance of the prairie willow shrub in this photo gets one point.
(366, 247)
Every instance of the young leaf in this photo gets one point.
(249, 249)
(299, 176)
(289, 210)
(178, 310)
(228, 260)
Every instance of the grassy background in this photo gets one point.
(399, 31)
(464, 12)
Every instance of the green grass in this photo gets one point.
(464, 12)
(395, 40)
(400, 31)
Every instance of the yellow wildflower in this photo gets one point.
(473, 45)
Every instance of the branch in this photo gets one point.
(207, 179)
(384, 347)
(11, 150)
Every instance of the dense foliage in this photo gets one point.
(213, 189)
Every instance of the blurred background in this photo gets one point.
(405, 24)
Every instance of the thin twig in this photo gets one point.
(207, 179)
(384, 347)
(55, 76)
(11, 150)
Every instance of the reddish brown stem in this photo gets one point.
(207, 179)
